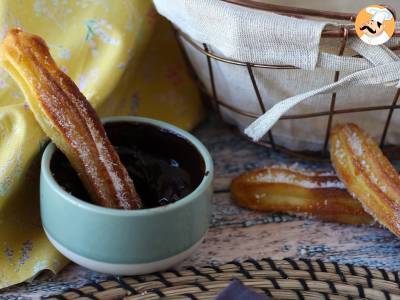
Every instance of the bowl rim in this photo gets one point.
(47, 175)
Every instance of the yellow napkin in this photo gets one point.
(124, 58)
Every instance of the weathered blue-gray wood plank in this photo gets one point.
(238, 234)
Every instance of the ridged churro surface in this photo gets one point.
(284, 189)
(367, 174)
(68, 119)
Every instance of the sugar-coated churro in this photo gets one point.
(367, 174)
(283, 189)
(68, 119)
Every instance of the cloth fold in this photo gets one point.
(385, 70)
(246, 34)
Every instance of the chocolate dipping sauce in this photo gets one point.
(164, 166)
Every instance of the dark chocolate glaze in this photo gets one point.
(164, 166)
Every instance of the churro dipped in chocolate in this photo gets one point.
(68, 119)
(284, 189)
(367, 174)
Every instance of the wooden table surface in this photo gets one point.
(236, 233)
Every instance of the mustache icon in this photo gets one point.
(368, 28)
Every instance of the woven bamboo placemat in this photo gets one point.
(279, 279)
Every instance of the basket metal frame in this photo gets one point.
(342, 32)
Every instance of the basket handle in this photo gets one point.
(385, 71)
(294, 11)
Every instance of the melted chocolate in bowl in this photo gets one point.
(164, 166)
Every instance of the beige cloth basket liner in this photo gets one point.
(257, 36)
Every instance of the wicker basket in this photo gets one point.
(335, 37)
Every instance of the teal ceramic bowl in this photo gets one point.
(126, 242)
